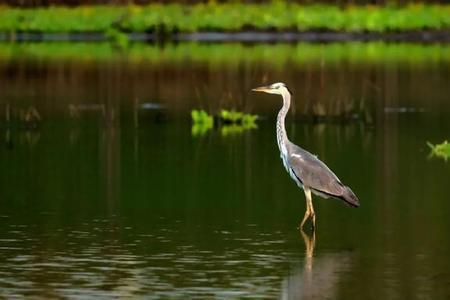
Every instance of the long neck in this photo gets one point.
(282, 138)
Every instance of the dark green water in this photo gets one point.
(119, 200)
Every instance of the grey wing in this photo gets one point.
(314, 174)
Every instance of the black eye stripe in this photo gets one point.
(290, 92)
(278, 85)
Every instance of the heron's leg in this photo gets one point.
(312, 214)
(308, 206)
(307, 213)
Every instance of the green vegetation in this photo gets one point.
(236, 117)
(202, 122)
(230, 121)
(167, 19)
(235, 122)
(440, 150)
(233, 54)
(117, 37)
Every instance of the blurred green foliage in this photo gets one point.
(440, 150)
(230, 122)
(237, 117)
(201, 122)
(117, 37)
(201, 116)
(229, 53)
(231, 116)
(236, 122)
(171, 18)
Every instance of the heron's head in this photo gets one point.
(275, 88)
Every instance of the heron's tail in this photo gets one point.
(350, 198)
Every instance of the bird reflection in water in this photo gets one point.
(317, 277)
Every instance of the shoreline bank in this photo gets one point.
(245, 37)
(275, 21)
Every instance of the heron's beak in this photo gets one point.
(265, 89)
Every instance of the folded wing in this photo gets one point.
(313, 173)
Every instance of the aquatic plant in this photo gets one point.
(246, 121)
(201, 116)
(236, 122)
(440, 150)
(230, 121)
(231, 116)
(202, 122)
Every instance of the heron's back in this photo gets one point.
(311, 172)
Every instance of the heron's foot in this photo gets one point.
(308, 215)
(300, 227)
(305, 218)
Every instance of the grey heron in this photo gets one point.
(309, 172)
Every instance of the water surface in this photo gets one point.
(110, 195)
